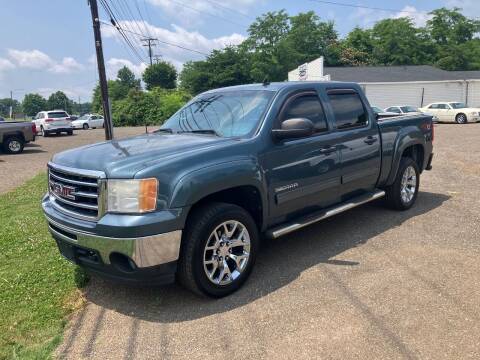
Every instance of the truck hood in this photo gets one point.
(124, 158)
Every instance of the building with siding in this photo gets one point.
(411, 85)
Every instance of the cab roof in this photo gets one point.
(277, 86)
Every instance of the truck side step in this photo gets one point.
(287, 228)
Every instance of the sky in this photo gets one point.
(47, 45)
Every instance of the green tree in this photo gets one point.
(33, 103)
(58, 100)
(398, 42)
(448, 27)
(126, 77)
(162, 74)
(5, 106)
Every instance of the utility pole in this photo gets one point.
(150, 42)
(11, 105)
(79, 106)
(157, 58)
(101, 70)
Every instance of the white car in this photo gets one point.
(403, 109)
(88, 121)
(453, 112)
(54, 121)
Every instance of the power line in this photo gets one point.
(363, 6)
(206, 13)
(114, 21)
(160, 41)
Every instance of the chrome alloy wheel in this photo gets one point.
(14, 146)
(408, 185)
(227, 252)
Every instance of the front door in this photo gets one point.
(358, 142)
(303, 174)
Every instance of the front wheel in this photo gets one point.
(461, 119)
(85, 126)
(218, 249)
(401, 195)
(13, 145)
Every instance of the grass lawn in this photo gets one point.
(38, 288)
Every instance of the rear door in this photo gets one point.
(358, 140)
(444, 112)
(303, 174)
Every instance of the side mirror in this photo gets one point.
(293, 129)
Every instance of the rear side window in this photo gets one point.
(309, 107)
(57, 114)
(393, 109)
(348, 110)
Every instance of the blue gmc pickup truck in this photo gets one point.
(193, 200)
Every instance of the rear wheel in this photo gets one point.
(461, 119)
(218, 250)
(401, 195)
(13, 145)
(70, 132)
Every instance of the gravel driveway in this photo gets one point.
(369, 283)
(16, 169)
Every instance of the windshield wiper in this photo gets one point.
(201, 131)
(164, 130)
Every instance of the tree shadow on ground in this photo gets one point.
(279, 263)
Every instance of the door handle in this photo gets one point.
(370, 140)
(328, 150)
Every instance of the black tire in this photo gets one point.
(43, 132)
(13, 145)
(461, 119)
(85, 126)
(393, 193)
(70, 132)
(200, 225)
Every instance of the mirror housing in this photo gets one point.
(294, 129)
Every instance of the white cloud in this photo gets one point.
(38, 60)
(469, 7)
(179, 36)
(6, 64)
(418, 17)
(115, 64)
(368, 17)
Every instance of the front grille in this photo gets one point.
(75, 192)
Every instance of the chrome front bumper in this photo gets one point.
(145, 251)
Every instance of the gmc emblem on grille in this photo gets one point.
(62, 190)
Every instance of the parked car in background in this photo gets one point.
(15, 134)
(453, 112)
(192, 200)
(382, 114)
(2, 119)
(403, 109)
(88, 121)
(55, 121)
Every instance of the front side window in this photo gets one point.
(227, 113)
(409, 109)
(348, 110)
(393, 109)
(308, 107)
(458, 105)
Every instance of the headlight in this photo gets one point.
(132, 196)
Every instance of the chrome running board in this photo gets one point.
(287, 228)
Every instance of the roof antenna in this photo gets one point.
(266, 82)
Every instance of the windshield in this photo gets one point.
(228, 113)
(408, 109)
(458, 105)
(84, 117)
